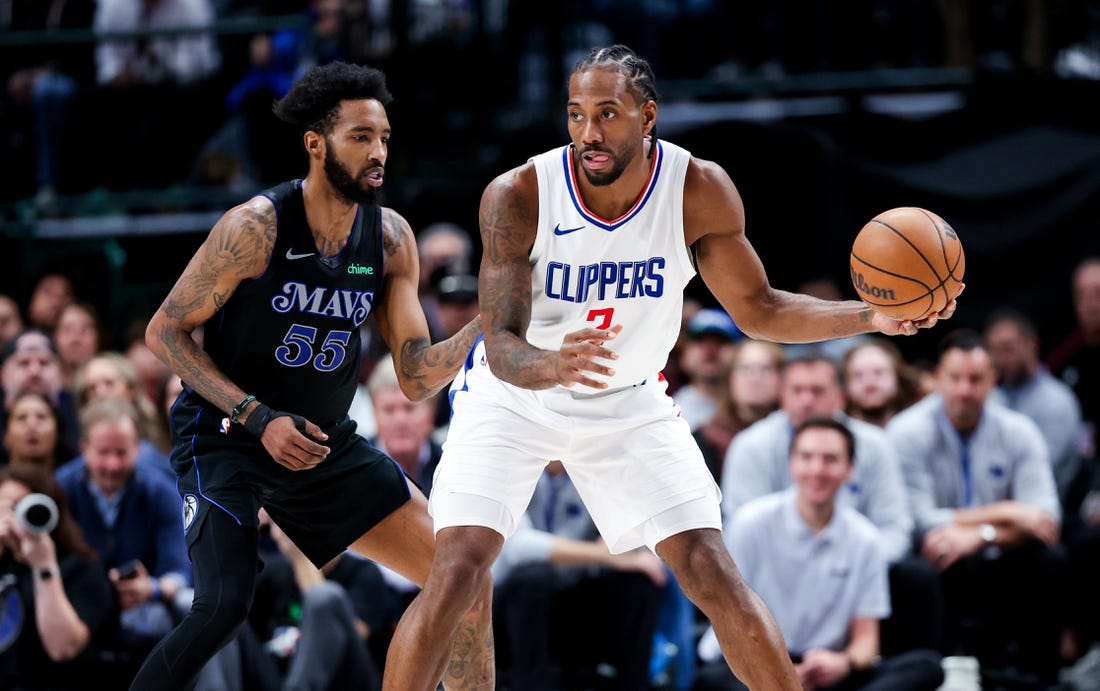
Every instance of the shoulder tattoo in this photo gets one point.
(239, 245)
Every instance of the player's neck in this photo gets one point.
(329, 213)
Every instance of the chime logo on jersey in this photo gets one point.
(606, 280)
(339, 303)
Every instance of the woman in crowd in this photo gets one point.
(753, 392)
(32, 434)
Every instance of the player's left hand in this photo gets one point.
(290, 446)
(894, 327)
(580, 354)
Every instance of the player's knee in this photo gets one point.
(221, 619)
(472, 550)
(703, 567)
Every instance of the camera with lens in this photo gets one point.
(37, 513)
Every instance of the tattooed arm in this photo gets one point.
(422, 368)
(237, 248)
(509, 218)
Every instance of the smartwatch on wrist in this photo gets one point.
(47, 573)
(988, 533)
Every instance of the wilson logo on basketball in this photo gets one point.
(863, 286)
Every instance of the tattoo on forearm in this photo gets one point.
(195, 367)
(431, 367)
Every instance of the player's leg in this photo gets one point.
(224, 560)
(423, 651)
(747, 632)
(648, 484)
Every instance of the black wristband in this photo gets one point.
(262, 415)
(258, 419)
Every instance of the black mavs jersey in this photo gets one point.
(291, 336)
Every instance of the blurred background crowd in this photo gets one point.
(128, 126)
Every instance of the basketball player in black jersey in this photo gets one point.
(282, 284)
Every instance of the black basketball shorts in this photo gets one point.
(221, 467)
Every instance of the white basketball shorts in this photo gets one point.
(628, 452)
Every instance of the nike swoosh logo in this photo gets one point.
(558, 230)
(290, 255)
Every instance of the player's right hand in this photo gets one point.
(290, 447)
(579, 352)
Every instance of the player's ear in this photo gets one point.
(649, 116)
(314, 143)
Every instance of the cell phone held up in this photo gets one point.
(128, 570)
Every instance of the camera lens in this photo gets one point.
(37, 513)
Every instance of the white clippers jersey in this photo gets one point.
(594, 272)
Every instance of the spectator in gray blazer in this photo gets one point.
(987, 514)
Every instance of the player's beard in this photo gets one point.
(619, 159)
(347, 185)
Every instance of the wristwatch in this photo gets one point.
(988, 533)
(47, 573)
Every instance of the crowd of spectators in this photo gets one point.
(972, 480)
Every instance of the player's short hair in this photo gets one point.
(313, 100)
(639, 75)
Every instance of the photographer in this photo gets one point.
(54, 594)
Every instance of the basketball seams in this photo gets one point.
(927, 294)
(916, 249)
(942, 259)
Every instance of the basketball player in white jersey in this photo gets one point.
(587, 251)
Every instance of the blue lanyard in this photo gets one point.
(964, 460)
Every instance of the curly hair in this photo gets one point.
(313, 100)
(638, 73)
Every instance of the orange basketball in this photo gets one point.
(907, 262)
